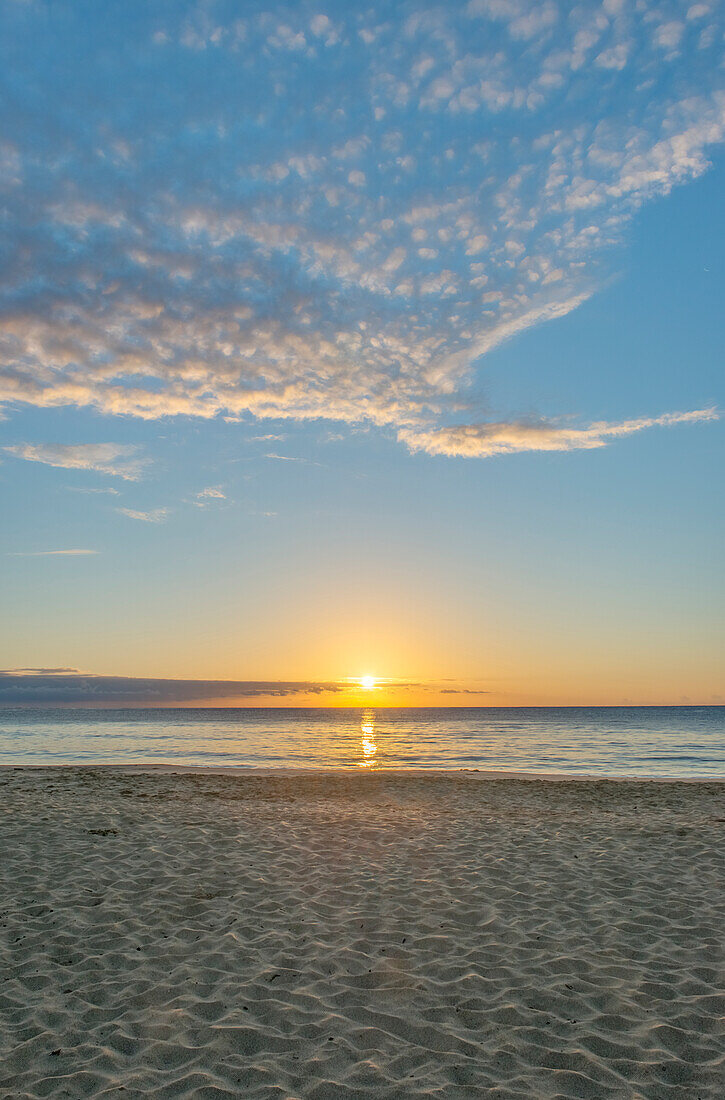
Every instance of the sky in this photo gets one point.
(362, 339)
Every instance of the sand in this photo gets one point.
(367, 935)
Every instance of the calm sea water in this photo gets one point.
(647, 741)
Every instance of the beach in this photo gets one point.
(356, 934)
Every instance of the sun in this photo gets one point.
(367, 682)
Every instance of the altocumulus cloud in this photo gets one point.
(213, 209)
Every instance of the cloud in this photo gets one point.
(117, 459)
(484, 440)
(322, 27)
(211, 494)
(463, 691)
(154, 515)
(53, 687)
(39, 671)
(106, 491)
(49, 553)
(292, 458)
(471, 172)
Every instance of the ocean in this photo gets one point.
(686, 742)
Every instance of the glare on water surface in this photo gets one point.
(647, 741)
(367, 737)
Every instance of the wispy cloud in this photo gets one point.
(464, 691)
(117, 459)
(211, 494)
(486, 439)
(474, 168)
(49, 553)
(293, 458)
(105, 491)
(154, 515)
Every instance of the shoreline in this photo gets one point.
(241, 770)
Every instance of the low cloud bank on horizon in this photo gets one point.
(53, 686)
(297, 214)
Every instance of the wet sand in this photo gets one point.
(367, 935)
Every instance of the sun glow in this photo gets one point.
(367, 682)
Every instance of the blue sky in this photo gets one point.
(349, 338)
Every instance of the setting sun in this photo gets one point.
(367, 682)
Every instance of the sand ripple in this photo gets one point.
(205, 936)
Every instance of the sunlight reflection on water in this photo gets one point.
(367, 737)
